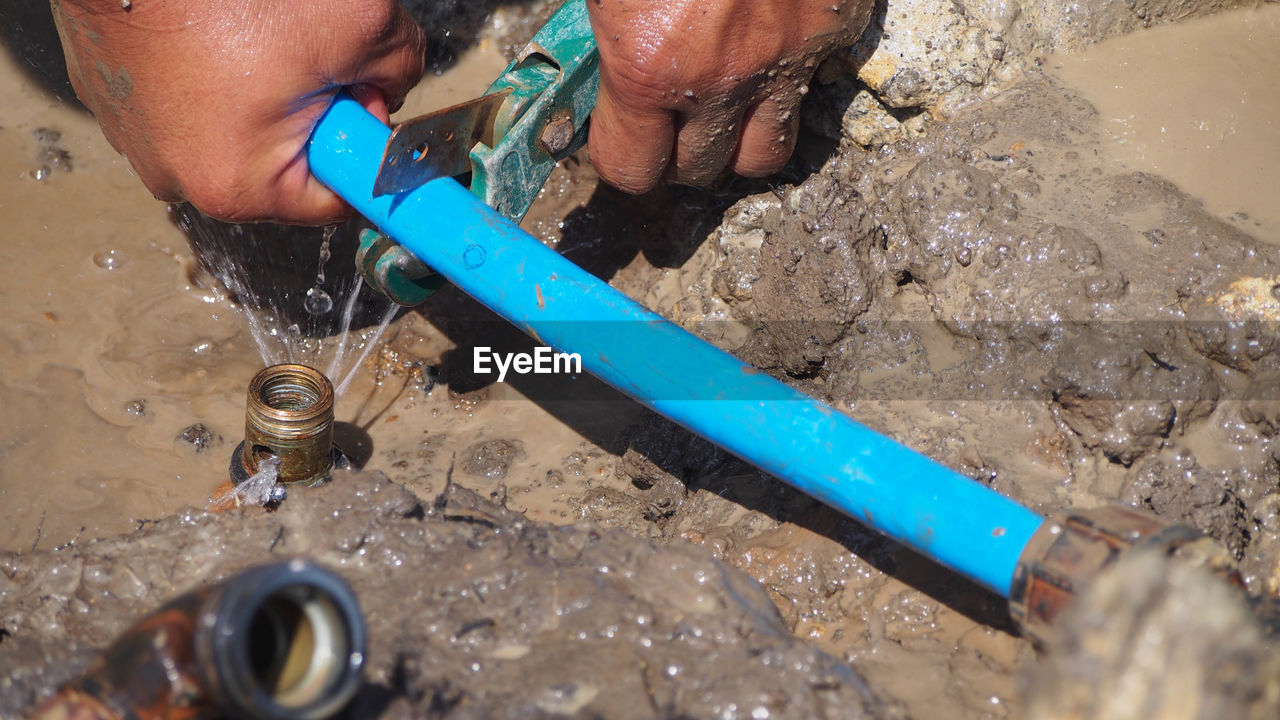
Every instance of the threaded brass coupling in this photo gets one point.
(289, 415)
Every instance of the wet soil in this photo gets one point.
(474, 612)
(1224, 150)
(998, 287)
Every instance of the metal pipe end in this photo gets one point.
(1071, 549)
(284, 642)
(288, 415)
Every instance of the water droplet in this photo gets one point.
(318, 302)
(325, 253)
(110, 259)
(295, 332)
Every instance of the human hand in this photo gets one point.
(213, 102)
(709, 84)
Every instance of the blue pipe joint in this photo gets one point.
(811, 446)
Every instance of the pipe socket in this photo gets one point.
(289, 416)
(284, 641)
(1071, 549)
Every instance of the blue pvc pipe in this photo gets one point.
(903, 494)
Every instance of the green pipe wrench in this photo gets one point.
(509, 140)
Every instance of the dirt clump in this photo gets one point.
(492, 458)
(1152, 637)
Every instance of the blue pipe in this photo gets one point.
(903, 494)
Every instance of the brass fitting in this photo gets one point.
(289, 415)
(1072, 548)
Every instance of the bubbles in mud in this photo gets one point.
(318, 302)
(50, 155)
(111, 259)
(491, 458)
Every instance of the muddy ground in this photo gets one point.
(473, 611)
(958, 256)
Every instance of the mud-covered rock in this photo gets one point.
(1176, 487)
(920, 58)
(1261, 406)
(1154, 637)
(916, 53)
(1126, 395)
(794, 270)
(472, 611)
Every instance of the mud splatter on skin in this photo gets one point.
(119, 84)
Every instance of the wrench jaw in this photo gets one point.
(508, 141)
(393, 271)
(1072, 548)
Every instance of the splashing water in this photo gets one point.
(325, 253)
(318, 301)
(368, 346)
(263, 486)
(348, 311)
(248, 259)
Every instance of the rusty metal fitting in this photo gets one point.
(1072, 548)
(289, 415)
(284, 641)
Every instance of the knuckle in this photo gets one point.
(627, 179)
(643, 76)
(374, 20)
(763, 159)
(620, 170)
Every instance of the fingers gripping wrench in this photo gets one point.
(509, 140)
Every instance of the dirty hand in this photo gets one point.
(709, 84)
(213, 101)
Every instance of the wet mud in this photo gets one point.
(959, 256)
(474, 611)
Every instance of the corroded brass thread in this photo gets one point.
(290, 415)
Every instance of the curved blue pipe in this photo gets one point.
(903, 494)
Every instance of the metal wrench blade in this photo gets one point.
(436, 145)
